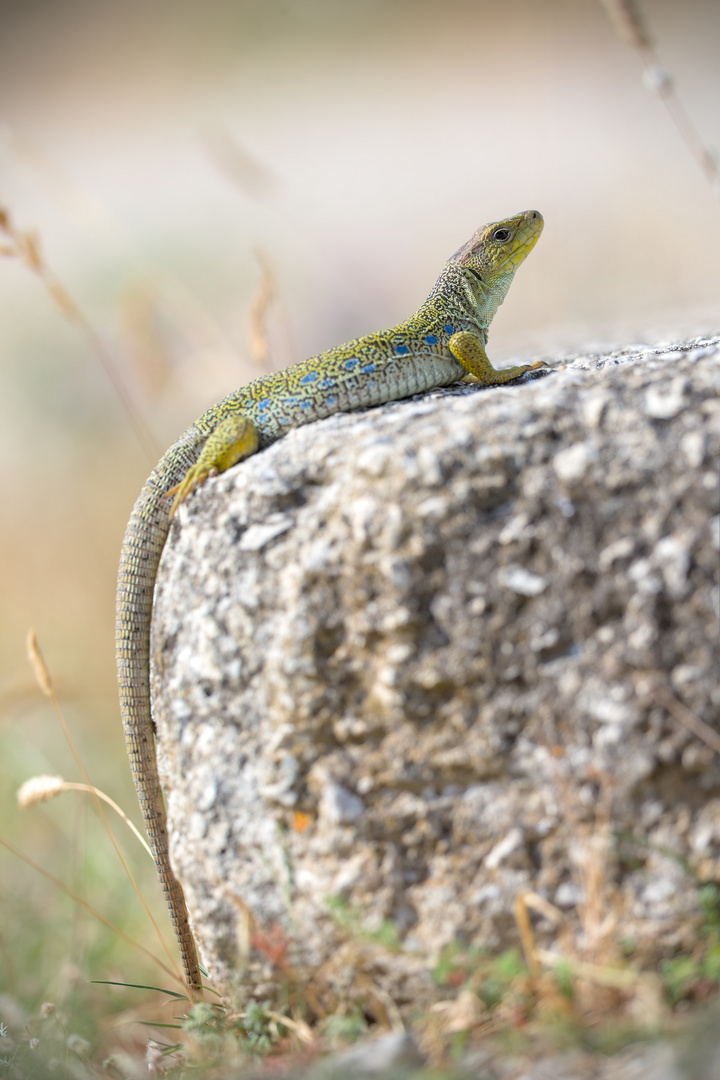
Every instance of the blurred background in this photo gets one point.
(229, 186)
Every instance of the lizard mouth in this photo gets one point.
(526, 238)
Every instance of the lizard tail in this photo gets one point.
(142, 547)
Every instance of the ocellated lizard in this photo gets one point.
(443, 342)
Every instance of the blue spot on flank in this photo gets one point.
(326, 384)
(350, 364)
(449, 329)
(367, 369)
(431, 339)
(265, 403)
(306, 404)
(310, 377)
(331, 401)
(402, 349)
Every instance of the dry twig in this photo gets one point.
(629, 25)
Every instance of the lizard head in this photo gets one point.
(495, 251)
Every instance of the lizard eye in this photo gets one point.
(501, 235)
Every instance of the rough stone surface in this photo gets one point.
(425, 658)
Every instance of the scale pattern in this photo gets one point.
(444, 341)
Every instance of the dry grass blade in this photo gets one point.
(543, 907)
(602, 974)
(301, 1029)
(598, 922)
(93, 911)
(42, 674)
(629, 25)
(25, 246)
(37, 663)
(527, 938)
(689, 720)
(243, 930)
(626, 17)
(242, 168)
(462, 1013)
(42, 788)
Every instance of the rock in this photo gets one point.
(390, 1055)
(639, 1062)
(412, 662)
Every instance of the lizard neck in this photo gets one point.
(461, 295)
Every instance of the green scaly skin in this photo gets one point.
(443, 342)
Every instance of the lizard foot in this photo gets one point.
(470, 351)
(234, 438)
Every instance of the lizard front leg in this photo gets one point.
(470, 351)
(234, 438)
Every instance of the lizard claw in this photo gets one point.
(193, 478)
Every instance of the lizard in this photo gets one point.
(442, 343)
